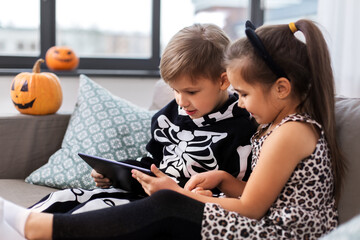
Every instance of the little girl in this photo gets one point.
(287, 85)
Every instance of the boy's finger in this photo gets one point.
(96, 175)
(156, 171)
(102, 180)
(138, 175)
(103, 184)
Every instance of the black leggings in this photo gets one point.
(164, 215)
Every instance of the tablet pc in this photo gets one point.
(118, 172)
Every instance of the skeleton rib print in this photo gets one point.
(186, 152)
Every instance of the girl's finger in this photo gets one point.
(204, 193)
(190, 185)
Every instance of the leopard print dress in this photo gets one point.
(305, 208)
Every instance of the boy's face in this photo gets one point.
(200, 97)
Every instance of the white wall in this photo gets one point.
(137, 90)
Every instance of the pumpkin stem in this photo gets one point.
(36, 68)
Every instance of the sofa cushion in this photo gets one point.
(22, 193)
(102, 124)
(162, 95)
(348, 132)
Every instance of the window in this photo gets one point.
(107, 29)
(286, 11)
(123, 37)
(20, 33)
(229, 15)
(110, 37)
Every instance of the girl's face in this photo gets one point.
(200, 97)
(253, 97)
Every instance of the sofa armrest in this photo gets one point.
(27, 142)
(348, 130)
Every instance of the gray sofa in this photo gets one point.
(28, 141)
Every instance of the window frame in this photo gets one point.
(87, 65)
(101, 66)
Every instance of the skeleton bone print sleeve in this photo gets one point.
(182, 147)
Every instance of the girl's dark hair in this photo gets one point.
(307, 66)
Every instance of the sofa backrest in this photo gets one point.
(347, 111)
(27, 142)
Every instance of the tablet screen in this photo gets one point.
(118, 172)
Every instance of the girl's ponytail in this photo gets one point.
(320, 100)
(321, 89)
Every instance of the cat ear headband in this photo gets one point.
(261, 50)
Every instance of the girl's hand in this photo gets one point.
(100, 180)
(204, 181)
(153, 184)
(201, 191)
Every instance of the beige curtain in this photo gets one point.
(341, 22)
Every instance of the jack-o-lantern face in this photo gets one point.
(36, 93)
(61, 58)
(24, 89)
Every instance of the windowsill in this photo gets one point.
(16, 114)
(88, 72)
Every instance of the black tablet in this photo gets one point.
(118, 172)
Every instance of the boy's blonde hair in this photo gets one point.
(197, 50)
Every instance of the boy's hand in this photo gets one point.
(100, 180)
(153, 184)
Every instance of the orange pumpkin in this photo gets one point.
(61, 58)
(36, 93)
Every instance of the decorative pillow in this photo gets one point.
(347, 231)
(101, 124)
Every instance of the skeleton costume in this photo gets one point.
(181, 146)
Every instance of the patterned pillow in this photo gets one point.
(346, 231)
(101, 124)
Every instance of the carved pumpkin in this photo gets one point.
(61, 58)
(36, 93)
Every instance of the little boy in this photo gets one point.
(202, 128)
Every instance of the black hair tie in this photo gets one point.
(261, 50)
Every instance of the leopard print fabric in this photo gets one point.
(305, 208)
